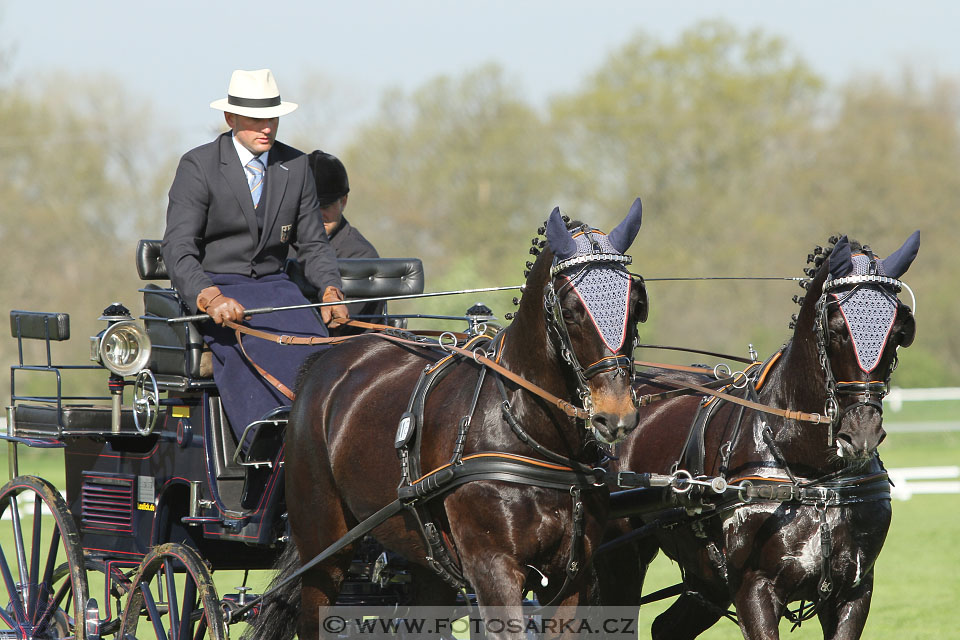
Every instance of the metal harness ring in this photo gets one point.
(446, 345)
(740, 382)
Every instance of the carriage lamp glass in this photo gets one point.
(123, 348)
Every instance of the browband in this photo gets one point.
(861, 279)
(588, 258)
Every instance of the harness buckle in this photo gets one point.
(785, 492)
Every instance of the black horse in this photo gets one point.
(532, 505)
(811, 507)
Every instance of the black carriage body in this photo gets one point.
(129, 492)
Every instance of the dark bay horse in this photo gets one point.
(813, 507)
(535, 507)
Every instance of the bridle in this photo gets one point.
(864, 393)
(557, 328)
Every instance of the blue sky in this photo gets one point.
(178, 54)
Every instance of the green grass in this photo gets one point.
(917, 582)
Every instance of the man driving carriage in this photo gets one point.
(236, 207)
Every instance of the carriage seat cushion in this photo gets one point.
(368, 277)
(45, 420)
(150, 264)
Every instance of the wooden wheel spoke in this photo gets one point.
(173, 609)
(6, 618)
(153, 612)
(34, 572)
(12, 590)
(201, 628)
(39, 590)
(189, 607)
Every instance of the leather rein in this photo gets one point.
(407, 338)
(397, 336)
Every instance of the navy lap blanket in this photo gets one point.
(245, 394)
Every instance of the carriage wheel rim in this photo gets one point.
(37, 606)
(198, 614)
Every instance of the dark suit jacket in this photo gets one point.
(348, 242)
(212, 226)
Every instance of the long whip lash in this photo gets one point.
(434, 294)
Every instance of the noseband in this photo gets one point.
(864, 393)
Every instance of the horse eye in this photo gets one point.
(837, 324)
(568, 316)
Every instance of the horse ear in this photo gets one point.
(561, 242)
(622, 237)
(841, 261)
(897, 263)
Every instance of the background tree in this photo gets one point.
(706, 130)
(744, 159)
(886, 163)
(460, 173)
(78, 191)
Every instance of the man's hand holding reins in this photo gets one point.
(334, 315)
(218, 306)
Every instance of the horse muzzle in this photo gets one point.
(861, 432)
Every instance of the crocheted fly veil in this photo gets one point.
(865, 288)
(594, 264)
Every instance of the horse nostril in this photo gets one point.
(615, 424)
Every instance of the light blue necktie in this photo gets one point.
(255, 179)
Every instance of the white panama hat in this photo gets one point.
(253, 94)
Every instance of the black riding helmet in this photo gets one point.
(331, 177)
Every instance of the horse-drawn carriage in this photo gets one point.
(155, 484)
(481, 459)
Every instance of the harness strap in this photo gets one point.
(351, 536)
(527, 439)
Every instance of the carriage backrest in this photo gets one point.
(361, 277)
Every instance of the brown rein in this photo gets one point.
(568, 408)
(645, 400)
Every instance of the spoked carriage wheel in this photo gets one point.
(113, 589)
(174, 591)
(38, 536)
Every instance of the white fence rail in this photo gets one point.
(898, 396)
(908, 481)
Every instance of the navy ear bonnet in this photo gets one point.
(594, 264)
(865, 289)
